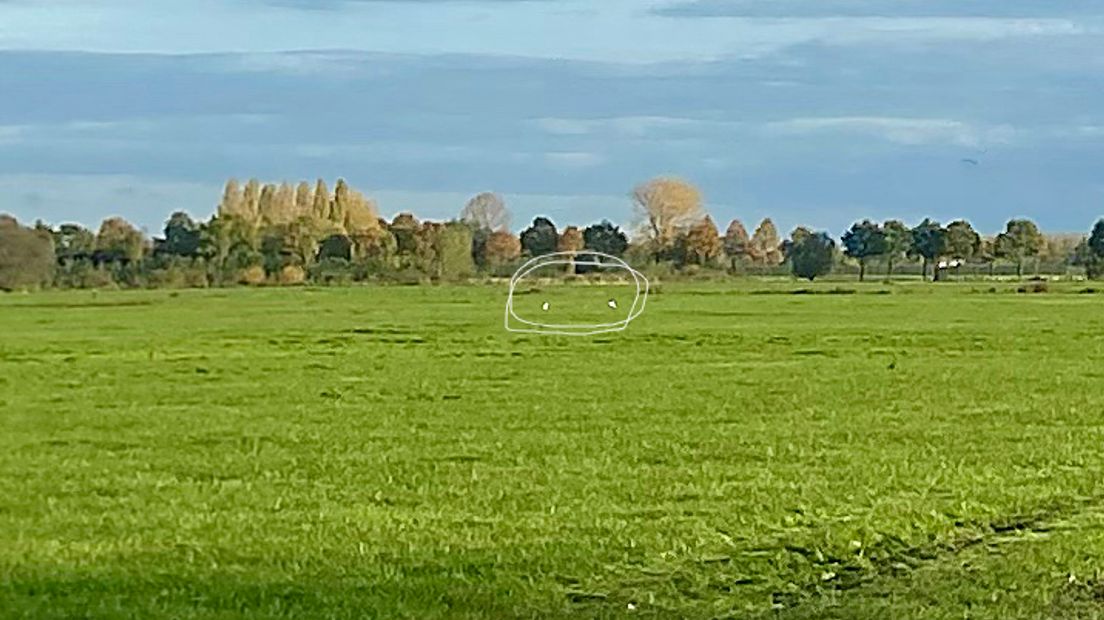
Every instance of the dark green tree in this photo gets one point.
(898, 241)
(480, 236)
(216, 243)
(810, 254)
(336, 246)
(929, 240)
(963, 242)
(182, 236)
(1020, 241)
(606, 238)
(1090, 252)
(863, 241)
(72, 243)
(540, 238)
(1096, 239)
(277, 248)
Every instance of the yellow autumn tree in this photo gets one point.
(703, 242)
(666, 206)
(765, 246)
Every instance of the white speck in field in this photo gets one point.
(613, 304)
(546, 306)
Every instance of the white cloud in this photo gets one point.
(935, 28)
(574, 159)
(626, 126)
(334, 64)
(639, 126)
(566, 126)
(402, 152)
(12, 134)
(875, 8)
(609, 31)
(907, 131)
(119, 131)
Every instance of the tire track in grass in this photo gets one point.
(899, 564)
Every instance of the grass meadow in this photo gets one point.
(902, 451)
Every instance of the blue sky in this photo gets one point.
(816, 112)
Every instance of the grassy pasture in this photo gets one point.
(740, 451)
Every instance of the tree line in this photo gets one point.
(293, 234)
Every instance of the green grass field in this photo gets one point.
(936, 452)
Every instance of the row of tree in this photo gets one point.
(288, 234)
(676, 228)
(957, 242)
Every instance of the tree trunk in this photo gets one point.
(924, 269)
(889, 269)
(1019, 270)
(862, 269)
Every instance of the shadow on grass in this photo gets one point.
(373, 588)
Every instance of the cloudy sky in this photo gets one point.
(813, 112)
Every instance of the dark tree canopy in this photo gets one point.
(605, 237)
(863, 241)
(963, 242)
(1090, 252)
(540, 238)
(336, 246)
(811, 254)
(1096, 239)
(74, 242)
(898, 241)
(929, 240)
(182, 237)
(1020, 240)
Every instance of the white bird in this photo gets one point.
(546, 306)
(613, 304)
